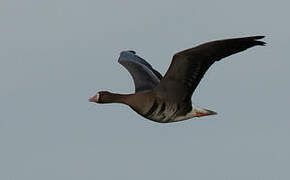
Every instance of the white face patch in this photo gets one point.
(97, 97)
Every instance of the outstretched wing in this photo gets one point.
(144, 76)
(188, 67)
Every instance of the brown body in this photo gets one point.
(153, 106)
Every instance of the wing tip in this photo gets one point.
(259, 43)
(123, 58)
(259, 37)
(132, 51)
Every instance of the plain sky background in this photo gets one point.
(55, 54)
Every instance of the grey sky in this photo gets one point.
(57, 53)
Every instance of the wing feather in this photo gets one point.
(189, 66)
(143, 74)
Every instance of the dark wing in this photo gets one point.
(188, 67)
(143, 74)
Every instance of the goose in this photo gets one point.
(167, 98)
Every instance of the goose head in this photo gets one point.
(101, 97)
(108, 97)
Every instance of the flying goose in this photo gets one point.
(168, 99)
